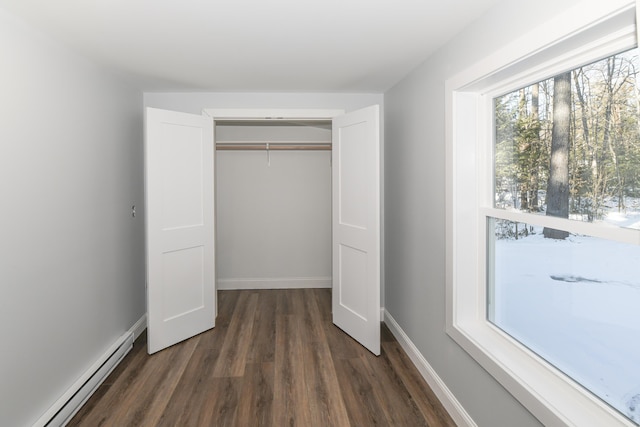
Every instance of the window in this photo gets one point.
(569, 147)
(544, 197)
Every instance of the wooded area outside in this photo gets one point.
(569, 146)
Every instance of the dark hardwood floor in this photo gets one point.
(273, 359)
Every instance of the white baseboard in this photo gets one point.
(138, 328)
(72, 400)
(449, 401)
(274, 283)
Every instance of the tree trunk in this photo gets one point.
(523, 148)
(579, 82)
(558, 185)
(533, 178)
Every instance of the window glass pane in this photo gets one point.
(575, 302)
(569, 146)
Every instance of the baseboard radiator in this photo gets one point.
(66, 407)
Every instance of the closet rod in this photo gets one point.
(273, 146)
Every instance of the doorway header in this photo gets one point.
(272, 114)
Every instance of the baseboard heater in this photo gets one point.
(66, 407)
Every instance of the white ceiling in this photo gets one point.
(255, 45)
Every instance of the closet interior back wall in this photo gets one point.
(273, 208)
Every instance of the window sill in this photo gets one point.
(551, 396)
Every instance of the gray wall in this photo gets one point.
(415, 208)
(71, 255)
(273, 210)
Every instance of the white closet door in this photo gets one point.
(356, 225)
(179, 161)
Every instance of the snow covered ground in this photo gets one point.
(576, 303)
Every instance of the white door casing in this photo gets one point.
(356, 225)
(179, 192)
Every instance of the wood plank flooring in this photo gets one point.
(273, 359)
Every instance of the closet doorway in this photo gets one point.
(273, 204)
(180, 205)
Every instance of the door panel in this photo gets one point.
(180, 233)
(182, 266)
(356, 225)
(353, 268)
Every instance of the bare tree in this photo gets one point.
(558, 183)
(534, 179)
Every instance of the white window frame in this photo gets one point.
(592, 30)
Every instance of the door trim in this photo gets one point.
(272, 113)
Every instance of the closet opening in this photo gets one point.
(289, 203)
(273, 204)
